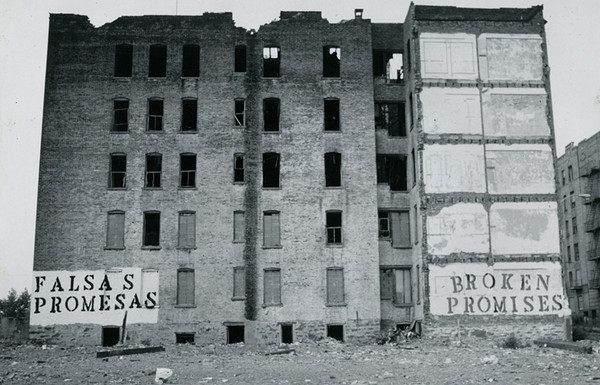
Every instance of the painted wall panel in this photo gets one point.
(520, 169)
(524, 228)
(515, 112)
(453, 168)
(451, 110)
(94, 296)
(448, 56)
(462, 227)
(507, 288)
(510, 57)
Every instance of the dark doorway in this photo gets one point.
(336, 332)
(110, 335)
(184, 338)
(287, 334)
(235, 334)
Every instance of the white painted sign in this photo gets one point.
(506, 288)
(95, 296)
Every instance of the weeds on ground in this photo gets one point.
(579, 334)
(512, 342)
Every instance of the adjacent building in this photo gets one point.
(578, 189)
(200, 182)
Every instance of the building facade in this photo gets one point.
(203, 182)
(578, 184)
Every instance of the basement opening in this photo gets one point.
(287, 334)
(235, 334)
(336, 332)
(184, 338)
(110, 335)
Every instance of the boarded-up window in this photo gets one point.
(191, 61)
(335, 286)
(332, 115)
(188, 170)
(271, 62)
(185, 287)
(155, 114)
(270, 169)
(334, 227)
(151, 228)
(331, 61)
(333, 168)
(189, 116)
(400, 228)
(387, 283)
(118, 167)
(396, 284)
(271, 114)
(239, 226)
(187, 229)
(238, 168)
(157, 66)
(115, 232)
(271, 229)
(240, 112)
(120, 115)
(123, 60)
(272, 289)
(239, 283)
(240, 58)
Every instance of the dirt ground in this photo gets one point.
(325, 362)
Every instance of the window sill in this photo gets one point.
(187, 188)
(117, 189)
(402, 247)
(122, 78)
(334, 187)
(151, 247)
(186, 248)
(399, 191)
(272, 188)
(272, 247)
(334, 245)
(271, 132)
(238, 242)
(402, 304)
(114, 248)
(336, 305)
(152, 188)
(190, 77)
(185, 306)
(155, 132)
(333, 131)
(157, 77)
(271, 77)
(331, 78)
(188, 131)
(119, 132)
(238, 298)
(239, 183)
(272, 305)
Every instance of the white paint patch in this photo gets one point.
(524, 228)
(453, 168)
(451, 110)
(448, 56)
(512, 57)
(462, 227)
(520, 169)
(94, 296)
(506, 288)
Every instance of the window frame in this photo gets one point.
(271, 124)
(239, 117)
(331, 69)
(157, 70)
(270, 64)
(386, 116)
(150, 116)
(116, 121)
(273, 233)
(195, 59)
(386, 165)
(393, 285)
(187, 172)
(128, 61)
(266, 155)
(154, 173)
(236, 170)
(184, 115)
(112, 172)
(335, 169)
(145, 235)
(331, 228)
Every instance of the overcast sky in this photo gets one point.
(572, 33)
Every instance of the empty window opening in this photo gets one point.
(188, 170)
(331, 61)
(396, 285)
(238, 168)
(334, 227)
(271, 62)
(240, 58)
(272, 287)
(155, 115)
(391, 169)
(151, 229)
(384, 224)
(332, 115)
(271, 229)
(336, 332)
(287, 334)
(390, 116)
(235, 334)
(333, 169)
(240, 112)
(409, 106)
(239, 226)
(187, 230)
(335, 286)
(408, 55)
(271, 163)
(189, 114)
(153, 170)
(239, 283)
(570, 171)
(123, 60)
(157, 66)
(414, 167)
(115, 233)
(118, 167)
(271, 114)
(388, 64)
(184, 338)
(110, 335)
(190, 67)
(120, 116)
(186, 286)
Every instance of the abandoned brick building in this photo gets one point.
(201, 182)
